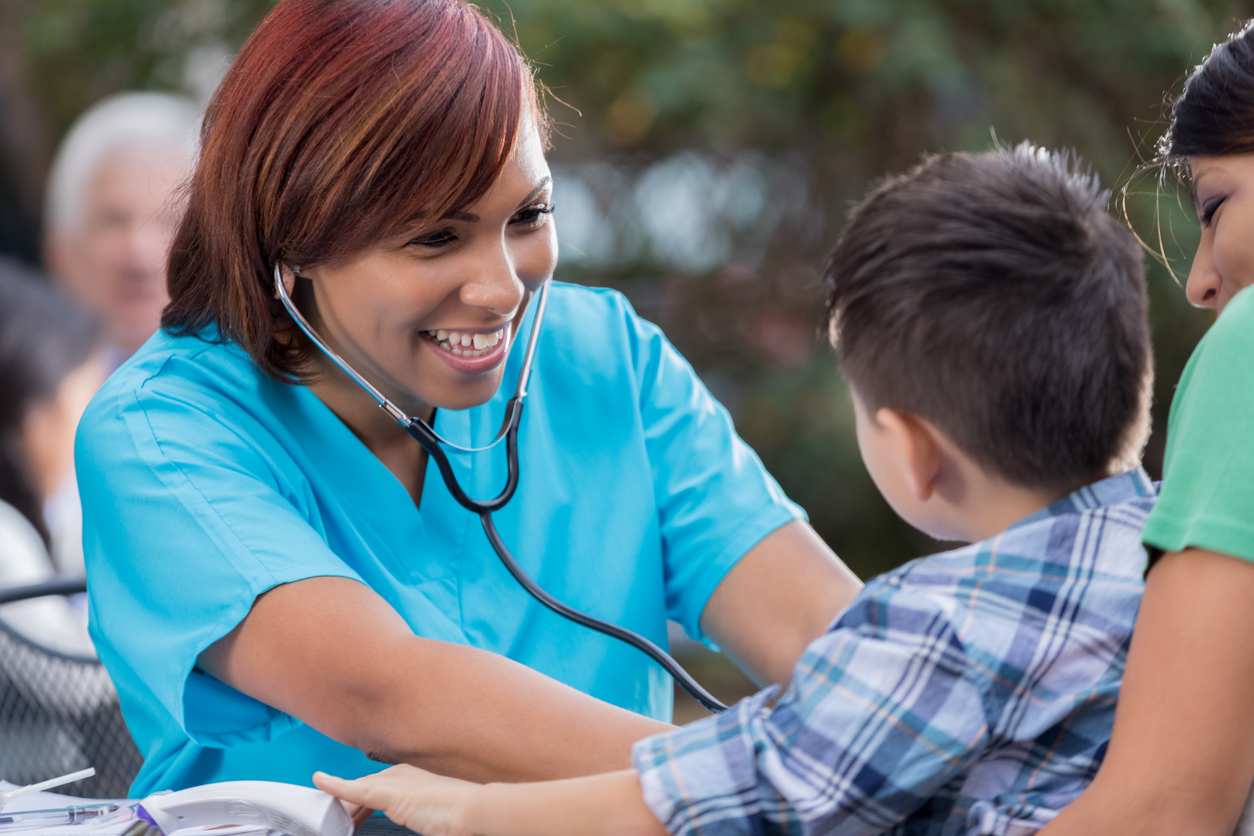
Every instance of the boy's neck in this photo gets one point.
(987, 505)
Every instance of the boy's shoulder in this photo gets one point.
(1076, 564)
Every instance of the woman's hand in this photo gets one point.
(424, 802)
(357, 813)
(596, 805)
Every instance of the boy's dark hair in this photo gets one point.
(991, 295)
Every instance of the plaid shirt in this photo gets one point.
(970, 692)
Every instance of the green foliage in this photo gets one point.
(79, 51)
(844, 91)
(776, 115)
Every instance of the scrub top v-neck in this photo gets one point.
(205, 483)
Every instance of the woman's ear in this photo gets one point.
(288, 277)
(921, 450)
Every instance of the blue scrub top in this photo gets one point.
(204, 483)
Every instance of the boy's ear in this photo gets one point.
(921, 450)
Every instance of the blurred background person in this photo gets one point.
(111, 209)
(50, 366)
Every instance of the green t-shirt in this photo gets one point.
(1207, 497)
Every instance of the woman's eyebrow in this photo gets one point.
(544, 182)
(1193, 181)
(1204, 173)
(471, 217)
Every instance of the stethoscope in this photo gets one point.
(433, 443)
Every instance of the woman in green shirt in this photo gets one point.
(1181, 760)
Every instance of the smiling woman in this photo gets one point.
(1223, 194)
(420, 285)
(279, 583)
(355, 126)
(1181, 758)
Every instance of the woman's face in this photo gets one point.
(1223, 195)
(429, 316)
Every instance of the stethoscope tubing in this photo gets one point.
(425, 435)
(632, 638)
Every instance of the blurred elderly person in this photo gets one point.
(111, 210)
(50, 366)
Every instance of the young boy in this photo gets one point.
(991, 323)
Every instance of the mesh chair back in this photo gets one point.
(59, 713)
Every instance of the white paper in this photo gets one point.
(106, 826)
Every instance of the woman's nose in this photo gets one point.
(1204, 282)
(495, 286)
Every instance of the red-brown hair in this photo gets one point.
(341, 123)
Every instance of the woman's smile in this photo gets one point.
(472, 350)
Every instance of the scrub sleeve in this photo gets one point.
(204, 524)
(1207, 497)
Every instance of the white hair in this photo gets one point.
(124, 122)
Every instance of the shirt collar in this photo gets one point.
(1133, 484)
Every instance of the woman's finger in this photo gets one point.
(361, 815)
(353, 791)
(357, 812)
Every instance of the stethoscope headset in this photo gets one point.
(434, 444)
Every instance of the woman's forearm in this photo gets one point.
(332, 653)
(1181, 758)
(489, 718)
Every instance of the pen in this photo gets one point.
(62, 780)
(50, 818)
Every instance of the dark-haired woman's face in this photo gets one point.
(1223, 195)
(429, 317)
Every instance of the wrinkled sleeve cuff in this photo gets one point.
(704, 775)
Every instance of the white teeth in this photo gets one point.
(466, 345)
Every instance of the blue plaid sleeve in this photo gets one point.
(882, 711)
